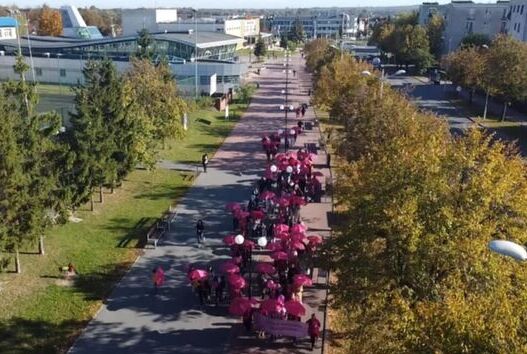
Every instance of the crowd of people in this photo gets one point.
(269, 222)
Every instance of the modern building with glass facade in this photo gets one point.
(215, 55)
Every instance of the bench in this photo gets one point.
(154, 234)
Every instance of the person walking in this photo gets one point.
(200, 228)
(313, 329)
(158, 278)
(303, 111)
(205, 162)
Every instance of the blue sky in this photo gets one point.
(223, 4)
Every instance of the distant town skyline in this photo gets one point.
(227, 4)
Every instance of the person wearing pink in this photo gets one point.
(313, 329)
(158, 278)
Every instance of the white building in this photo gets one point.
(8, 28)
(152, 20)
(463, 18)
(319, 26)
(517, 24)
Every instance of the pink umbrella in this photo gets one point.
(302, 280)
(283, 236)
(295, 308)
(274, 246)
(239, 306)
(248, 244)
(283, 202)
(298, 228)
(315, 240)
(229, 267)
(267, 195)
(197, 274)
(279, 255)
(229, 240)
(242, 214)
(232, 206)
(271, 284)
(265, 268)
(297, 236)
(271, 306)
(237, 281)
(296, 200)
(281, 228)
(280, 156)
(298, 245)
(257, 214)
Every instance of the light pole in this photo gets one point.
(195, 12)
(286, 108)
(486, 47)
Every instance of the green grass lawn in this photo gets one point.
(512, 131)
(39, 313)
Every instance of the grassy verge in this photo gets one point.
(509, 130)
(39, 311)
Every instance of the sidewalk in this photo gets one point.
(314, 215)
(132, 320)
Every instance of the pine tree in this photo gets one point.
(98, 110)
(34, 135)
(260, 48)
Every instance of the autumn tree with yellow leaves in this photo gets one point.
(412, 270)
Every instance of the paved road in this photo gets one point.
(434, 98)
(133, 320)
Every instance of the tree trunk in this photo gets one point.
(471, 96)
(18, 269)
(504, 112)
(41, 245)
(100, 194)
(91, 201)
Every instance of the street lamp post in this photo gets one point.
(286, 138)
(195, 12)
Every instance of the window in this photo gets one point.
(521, 10)
(62, 72)
(38, 71)
(8, 32)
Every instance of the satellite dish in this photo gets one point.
(508, 248)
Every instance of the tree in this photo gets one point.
(153, 89)
(260, 48)
(467, 67)
(100, 135)
(144, 45)
(476, 40)
(318, 53)
(284, 43)
(413, 272)
(434, 30)
(413, 46)
(34, 182)
(102, 19)
(49, 22)
(296, 33)
(508, 78)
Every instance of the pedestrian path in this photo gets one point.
(314, 215)
(134, 320)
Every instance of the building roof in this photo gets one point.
(201, 39)
(7, 22)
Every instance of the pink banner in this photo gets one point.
(279, 327)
